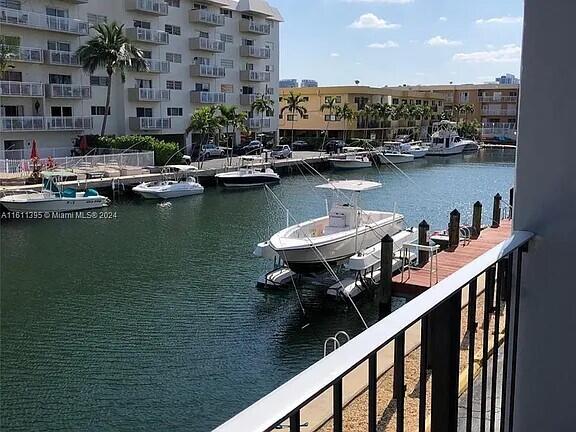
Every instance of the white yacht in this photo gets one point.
(313, 244)
(248, 175)
(445, 140)
(54, 198)
(351, 161)
(392, 153)
(184, 185)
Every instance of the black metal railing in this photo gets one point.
(488, 289)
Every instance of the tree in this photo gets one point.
(457, 110)
(8, 53)
(294, 105)
(110, 49)
(231, 120)
(329, 105)
(346, 113)
(383, 113)
(204, 121)
(468, 109)
(263, 105)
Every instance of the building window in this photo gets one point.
(226, 12)
(172, 29)
(61, 13)
(247, 17)
(101, 81)
(305, 116)
(174, 58)
(58, 111)
(426, 103)
(226, 38)
(199, 6)
(291, 117)
(143, 112)
(418, 102)
(142, 24)
(99, 110)
(11, 76)
(174, 112)
(228, 64)
(439, 103)
(59, 79)
(329, 117)
(142, 83)
(174, 85)
(94, 19)
(173, 3)
(58, 46)
(395, 101)
(11, 4)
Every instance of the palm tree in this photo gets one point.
(368, 113)
(468, 109)
(226, 118)
(205, 121)
(294, 105)
(458, 109)
(110, 49)
(263, 105)
(346, 113)
(329, 105)
(7, 53)
(383, 113)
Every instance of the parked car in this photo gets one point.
(255, 147)
(212, 150)
(301, 145)
(334, 146)
(281, 152)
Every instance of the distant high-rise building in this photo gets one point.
(309, 83)
(288, 83)
(508, 79)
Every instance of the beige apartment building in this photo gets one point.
(199, 53)
(315, 121)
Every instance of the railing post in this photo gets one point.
(477, 219)
(398, 384)
(511, 202)
(385, 295)
(454, 229)
(445, 321)
(295, 422)
(423, 255)
(496, 211)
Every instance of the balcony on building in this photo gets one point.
(152, 7)
(206, 97)
(202, 16)
(148, 95)
(207, 71)
(205, 44)
(39, 123)
(248, 99)
(27, 19)
(249, 26)
(68, 123)
(259, 123)
(28, 55)
(61, 58)
(21, 89)
(499, 99)
(499, 111)
(68, 91)
(254, 76)
(157, 66)
(149, 123)
(254, 52)
(151, 36)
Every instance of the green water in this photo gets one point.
(150, 321)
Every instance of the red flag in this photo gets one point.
(83, 143)
(34, 153)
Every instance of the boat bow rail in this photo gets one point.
(440, 305)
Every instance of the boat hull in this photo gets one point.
(247, 181)
(394, 158)
(59, 205)
(418, 154)
(449, 151)
(152, 193)
(344, 164)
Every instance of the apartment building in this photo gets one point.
(495, 105)
(198, 53)
(316, 120)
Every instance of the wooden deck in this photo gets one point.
(451, 261)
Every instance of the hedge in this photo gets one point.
(164, 152)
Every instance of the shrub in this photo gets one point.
(164, 152)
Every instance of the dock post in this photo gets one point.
(496, 211)
(454, 229)
(423, 255)
(385, 295)
(511, 202)
(477, 219)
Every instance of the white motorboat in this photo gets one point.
(311, 245)
(54, 198)
(351, 161)
(415, 148)
(183, 185)
(471, 146)
(445, 140)
(248, 175)
(391, 153)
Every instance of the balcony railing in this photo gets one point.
(202, 16)
(157, 66)
(28, 55)
(207, 97)
(138, 34)
(500, 125)
(499, 112)
(205, 44)
(207, 71)
(153, 7)
(69, 91)
(255, 52)
(248, 26)
(248, 99)
(149, 123)
(21, 89)
(33, 123)
(68, 123)
(498, 99)
(254, 76)
(148, 95)
(436, 317)
(28, 19)
(62, 58)
(259, 123)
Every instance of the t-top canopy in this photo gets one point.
(351, 185)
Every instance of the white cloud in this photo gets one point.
(443, 19)
(381, 1)
(507, 54)
(371, 21)
(383, 45)
(334, 54)
(442, 41)
(500, 20)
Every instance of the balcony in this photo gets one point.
(157, 66)
(35, 20)
(248, 99)
(499, 99)
(29, 55)
(248, 26)
(207, 71)
(21, 89)
(204, 97)
(157, 37)
(149, 123)
(152, 7)
(202, 16)
(61, 58)
(68, 123)
(23, 124)
(254, 76)
(254, 52)
(499, 112)
(205, 44)
(68, 91)
(148, 95)
(259, 123)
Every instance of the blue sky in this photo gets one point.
(394, 42)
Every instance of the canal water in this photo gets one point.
(150, 321)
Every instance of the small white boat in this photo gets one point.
(351, 161)
(184, 185)
(445, 140)
(248, 175)
(391, 154)
(54, 198)
(418, 151)
(471, 146)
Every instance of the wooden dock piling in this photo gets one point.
(423, 256)
(385, 294)
(496, 212)
(477, 219)
(454, 230)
